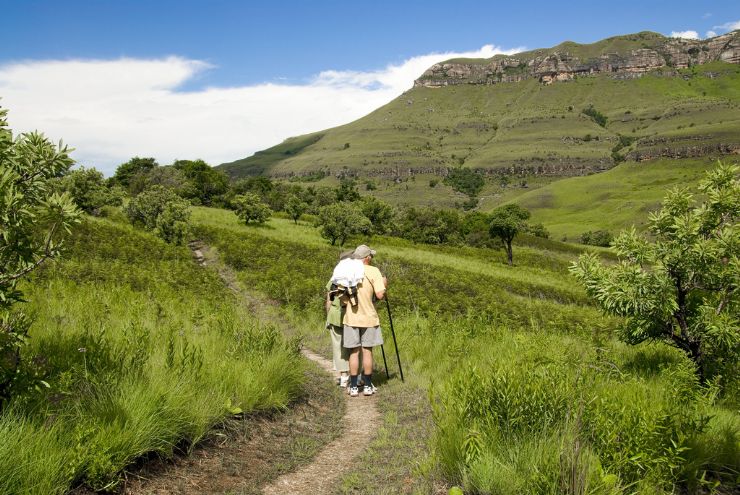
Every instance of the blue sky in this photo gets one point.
(257, 54)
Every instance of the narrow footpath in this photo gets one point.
(358, 425)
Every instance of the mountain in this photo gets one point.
(531, 118)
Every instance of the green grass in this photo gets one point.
(144, 351)
(530, 391)
(524, 130)
(612, 200)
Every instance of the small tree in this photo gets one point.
(341, 220)
(161, 211)
(126, 171)
(250, 208)
(681, 286)
(88, 190)
(380, 214)
(506, 222)
(34, 222)
(295, 208)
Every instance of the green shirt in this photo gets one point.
(336, 310)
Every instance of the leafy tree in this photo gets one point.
(538, 230)
(250, 208)
(506, 222)
(168, 177)
(339, 221)
(161, 211)
(380, 214)
(295, 207)
(465, 180)
(34, 222)
(347, 191)
(595, 115)
(601, 238)
(206, 183)
(89, 191)
(126, 171)
(680, 284)
(431, 226)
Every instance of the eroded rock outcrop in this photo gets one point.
(623, 57)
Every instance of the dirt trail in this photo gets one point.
(358, 426)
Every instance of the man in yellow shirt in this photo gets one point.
(361, 323)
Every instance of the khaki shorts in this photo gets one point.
(362, 337)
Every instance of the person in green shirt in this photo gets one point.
(334, 318)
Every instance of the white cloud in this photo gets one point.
(692, 35)
(711, 34)
(111, 110)
(728, 26)
(706, 15)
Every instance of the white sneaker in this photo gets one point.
(343, 381)
(354, 391)
(369, 389)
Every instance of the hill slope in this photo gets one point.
(666, 97)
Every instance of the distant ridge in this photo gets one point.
(621, 56)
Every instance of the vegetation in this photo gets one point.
(542, 413)
(682, 285)
(161, 211)
(339, 221)
(465, 181)
(89, 190)
(295, 208)
(602, 238)
(595, 115)
(34, 223)
(143, 351)
(249, 208)
(506, 222)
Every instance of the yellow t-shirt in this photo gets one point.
(364, 315)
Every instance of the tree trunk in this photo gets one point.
(509, 252)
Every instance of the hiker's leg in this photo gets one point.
(340, 355)
(367, 360)
(354, 361)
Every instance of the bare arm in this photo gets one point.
(380, 294)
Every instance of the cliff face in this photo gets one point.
(625, 57)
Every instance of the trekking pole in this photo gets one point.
(395, 344)
(382, 349)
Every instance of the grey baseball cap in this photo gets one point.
(346, 254)
(362, 251)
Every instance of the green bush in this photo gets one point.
(249, 208)
(595, 115)
(161, 211)
(465, 180)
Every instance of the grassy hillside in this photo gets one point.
(526, 388)
(530, 129)
(143, 351)
(612, 200)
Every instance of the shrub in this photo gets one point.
(681, 285)
(465, 180)
(601, 238)
(506, 222)
(249, 208)
(88, 190)
(595, 115)
(294, 207)
(339, 221)
(34, 223)
(161, 211)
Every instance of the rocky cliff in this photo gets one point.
(622, 57)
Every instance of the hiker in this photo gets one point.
(361, 323)
(334, 315)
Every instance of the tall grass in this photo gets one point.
(531, 392)
(144, 351)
